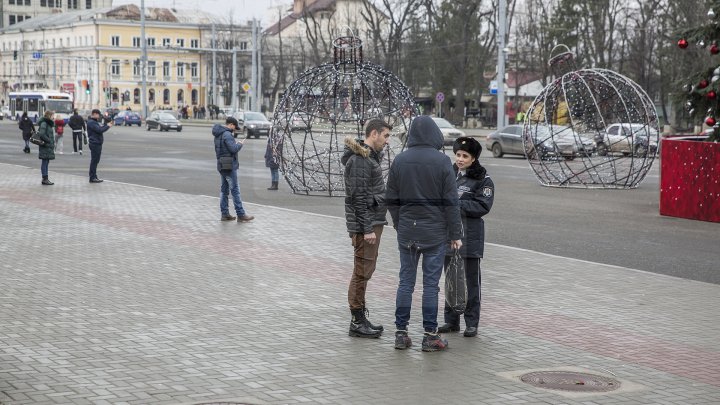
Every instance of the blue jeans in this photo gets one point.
(230, 186)
(432, 267)
(95, 152)
(44, 163)
(274, 175)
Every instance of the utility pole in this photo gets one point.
(214, 67)
(253, 72)
(260, 70)
(234, 91)
(501, 64)
(143, 62)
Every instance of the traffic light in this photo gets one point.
(14, 55)
(87, 89)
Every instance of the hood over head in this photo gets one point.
(424, 132)
(218, 130)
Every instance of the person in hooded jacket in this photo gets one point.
(272, 161)
(225, 145)
(96, 138)
(423, 202)
(476, 193)
(365, 218)
(26, 127)
(46, 152)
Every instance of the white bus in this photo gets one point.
(35, 103)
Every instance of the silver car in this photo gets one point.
(507, 140)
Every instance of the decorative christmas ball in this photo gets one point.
(703, 83)
(710, 121)
(682, 43)
(590, 128)
(701, 44)
(711, 13)
(328, 103)
(714, 49)
(711, 94)
(714, 78)
(691, 111)
(689, 88)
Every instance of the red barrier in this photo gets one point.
(690, 179)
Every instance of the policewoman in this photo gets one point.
(476, 192)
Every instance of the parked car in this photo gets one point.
(558, 142)
(450, 133)
(628, 139)
(507, 140)
(255, 123)
(5, 112)
(110, 111)
(128, 118)
(296, 121)
(163, 121)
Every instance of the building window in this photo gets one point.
(194, 69)
(115, 40)
(115, 67)
(181, 96)
(166, 70)
(166, 96)
(136, 96)
(194, 96)
(136, 42)
(73, 4)
(181, 42)
(12, 2)
(194, 43)
(151, 96)
(150, 41)
(27, 3)
(241, 72)
(136, 67)
(151, 69)
(180, 70)
(167, 41)
(43, 3)
(88, 4)
(12, 19)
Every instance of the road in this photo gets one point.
(618, 227)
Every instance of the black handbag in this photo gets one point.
(226, 162)
(456, 284)
(35, 139)
(84, 138)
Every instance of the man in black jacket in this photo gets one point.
(423, 202)
(95, 141)
(77, 125)
(365, 216)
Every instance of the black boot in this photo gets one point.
(367, 321)
(359, 326)
(46, 181)
(27, 149)
(274, 186)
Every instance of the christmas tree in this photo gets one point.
(703, 88)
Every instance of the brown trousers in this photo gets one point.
(364, 267)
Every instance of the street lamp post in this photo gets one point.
(143, 63)
(502, 21)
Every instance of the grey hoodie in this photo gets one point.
(421, 190)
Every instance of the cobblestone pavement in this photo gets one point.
(121, 294)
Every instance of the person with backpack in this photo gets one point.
(27, 127)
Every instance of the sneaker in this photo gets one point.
(433, 342)
(245, 218)
(47, 182)
(80, 152)
(228, 217)
(96, 180)
(446, 328)
(402, 340)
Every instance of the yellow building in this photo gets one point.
(96, 55)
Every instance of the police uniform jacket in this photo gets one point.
(476, 192)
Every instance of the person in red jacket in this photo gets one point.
(59, 129)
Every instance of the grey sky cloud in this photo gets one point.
(241, 10)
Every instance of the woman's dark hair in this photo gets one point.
(24, 115)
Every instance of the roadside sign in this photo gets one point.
(440, 97)
(68, 87)
(493, 87)
(246, 87)
(37, 55)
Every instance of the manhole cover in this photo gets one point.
(570, 381)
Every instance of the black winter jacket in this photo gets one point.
(364, 187)
(225, 145)
(95, 131)
(421, 191)
(476, 193)
(76, 122)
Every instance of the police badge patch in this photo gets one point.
(487, 192)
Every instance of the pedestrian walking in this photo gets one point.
(26, 127)
(59, 131)
(226, 149)
(78, 127)
(95, 142)
(365, 216)
(476, 193)
(423, 202)
(272, 161)
(46, 152)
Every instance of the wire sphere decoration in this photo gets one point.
(329, 102)
(590, 128)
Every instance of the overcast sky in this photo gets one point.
(241, 9)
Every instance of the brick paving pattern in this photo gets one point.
(121, 294)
